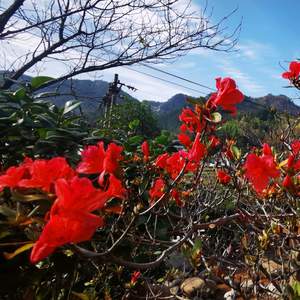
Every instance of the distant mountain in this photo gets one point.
(168, 112)
(91, 92)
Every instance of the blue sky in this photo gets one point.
(269, 36)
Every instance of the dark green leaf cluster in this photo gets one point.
(37, 128)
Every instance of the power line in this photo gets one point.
(179, 77)
(167, 73)
(163, 80)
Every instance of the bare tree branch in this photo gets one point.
(96, 35)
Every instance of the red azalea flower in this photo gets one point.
(161, 160)
(260, 169)
(79, 195)
(191, 121)
(229, 154)
(223, 177)
(294, 71)
(184, 140)
(295, 147)
(135, 276)
(267, 150)
(92, 159)
(288, 182)
(145, 149)
(44, 173)
(115, 188)
(64, 228)
(97, 160)
(175, 163)
(157, 190)
(112, 156)
(227, 95)
(198, 150)
(14, 175)
(214, 141)
(175, 196)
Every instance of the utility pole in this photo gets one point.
(109, 99)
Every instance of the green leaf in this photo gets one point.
(235, 151)
(159, 152)
(26, 198)
(21, 84)
(19, 94)
(197, 244)
(134, 124)
(297, 287)
(216, 117)
(54, 109)
(167, 134)
(70, 120)
(46, 121)
(28, 122)
(8, 97)
(71, 105)
(8, 212)
(122, 133)
(39, 80)
(192, 101)
(129, 148)
(41, 293)
(161, 140)
(184, 251)
(289, 289)
(135, 139)
(157, 252)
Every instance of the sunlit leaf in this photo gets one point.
(39, 80)
(27, 198)
(18, 251)
(71, 105)
(197, 244)
(134, 124)
(192, 101)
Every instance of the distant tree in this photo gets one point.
(125, 112)
(94, 35)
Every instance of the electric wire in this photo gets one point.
(169, 74)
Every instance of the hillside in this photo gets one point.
(168, 112)
(91, 92)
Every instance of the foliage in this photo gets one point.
(121, 115)
(102, 228)
(37, 128)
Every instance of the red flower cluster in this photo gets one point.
(223, 177)
(227, 95)
(261, 168)
(71, 220)
(294, 71)
(191, 121)
(97, 160)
